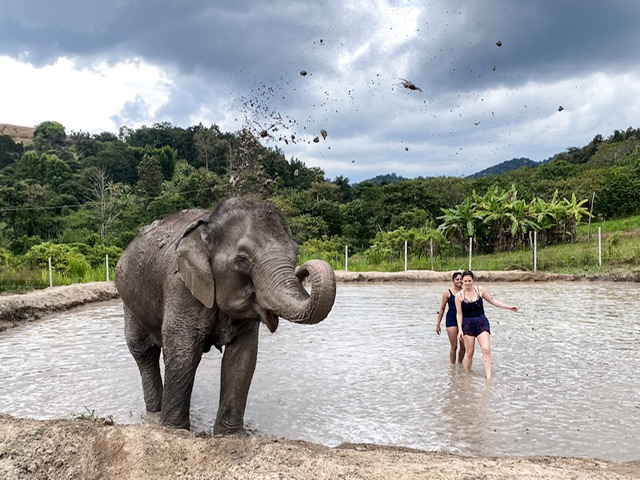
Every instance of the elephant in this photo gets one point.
(203, 278)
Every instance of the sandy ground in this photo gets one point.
(98, 449)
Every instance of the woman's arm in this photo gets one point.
(443, 304)
(459, 314)
(487, 296)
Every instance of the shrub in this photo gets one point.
(6, 258)
(329, 249)
(61, 256)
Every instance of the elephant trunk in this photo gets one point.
(290, 300)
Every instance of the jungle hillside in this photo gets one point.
(76, 198)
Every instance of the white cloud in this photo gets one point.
(79, 98)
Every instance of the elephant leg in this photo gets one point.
(147, 355)
(238, 365)
(182, 352)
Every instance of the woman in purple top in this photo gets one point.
(449, 298)
(472, 322)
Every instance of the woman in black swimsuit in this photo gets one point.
(449, 298)
(472, 322)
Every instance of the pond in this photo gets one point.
(566, 373)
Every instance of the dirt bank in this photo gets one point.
(20, 308)
(86, 449)
(484, 276)
(97, 449)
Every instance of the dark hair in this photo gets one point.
(455, 274)
(468, 273)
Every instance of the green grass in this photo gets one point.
(623, 224)
(25, 280)
(620, 253)
(620, 249)
(87, 415)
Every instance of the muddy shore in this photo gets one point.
(98, 449)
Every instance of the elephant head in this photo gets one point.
(242, 259)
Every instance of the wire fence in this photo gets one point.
(530, 257)
(575, 258)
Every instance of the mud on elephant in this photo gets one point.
(204, 278)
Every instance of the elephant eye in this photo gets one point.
(242, 264)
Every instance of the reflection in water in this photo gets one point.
(566, 373)
(467, 412)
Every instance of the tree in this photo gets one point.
(43, 168)
(48, 135)
(199, 188)
(10, 151)
(404, 196)
(31, 210)
(211, 149)
(118, 161)
(344, 189)
(573, 213)
(461, 222)
(246, 174)
(150, 177)
(160, 135)
(106, 195)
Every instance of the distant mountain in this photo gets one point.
(504, 167)
(386, 178)
(498, 169)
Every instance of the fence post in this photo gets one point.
(470, 247)
(599, 246)
(346, 258)
(405, 256)
(107, 262)
(431, 252)
(50, 274)
(535, 251)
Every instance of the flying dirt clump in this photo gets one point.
(410, 85)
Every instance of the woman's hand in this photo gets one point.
(438, 329)
(460, 335)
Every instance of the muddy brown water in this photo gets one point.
(566, 373)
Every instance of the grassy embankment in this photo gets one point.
(620, 253)
(14, 280)
(620, 249)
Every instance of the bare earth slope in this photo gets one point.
(18, 134)
(97, 449)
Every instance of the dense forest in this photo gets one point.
(90, 193)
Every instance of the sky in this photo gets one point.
(490, 80)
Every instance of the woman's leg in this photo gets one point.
(469, 345)
(461, 352)
(484, 339)
(452, 332)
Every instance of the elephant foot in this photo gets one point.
(151, 417)
(235, 434)
(176, 424)
(153, 408)
(230, 431)
(186, 426)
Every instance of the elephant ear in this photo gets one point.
(193, 265)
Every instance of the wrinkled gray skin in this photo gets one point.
(199, 279)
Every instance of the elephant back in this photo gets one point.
(148, 260)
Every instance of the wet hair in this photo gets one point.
(456, 274)
(468, 273)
